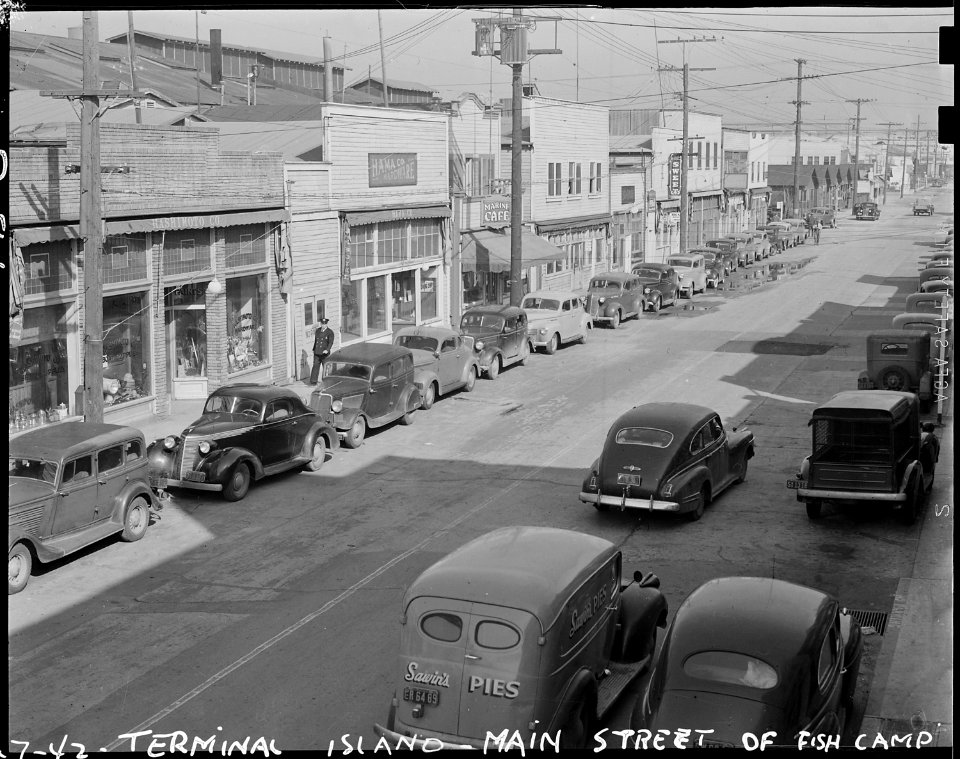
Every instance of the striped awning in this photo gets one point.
(490, 251)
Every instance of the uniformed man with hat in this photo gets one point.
(322, 345)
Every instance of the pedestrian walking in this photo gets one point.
(322, 345)
(816, 231)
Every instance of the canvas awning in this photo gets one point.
(359, 218)
(577, 222)
(490, 251)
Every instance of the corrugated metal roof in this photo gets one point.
(296, 140)
(630, 143)
(394, 84)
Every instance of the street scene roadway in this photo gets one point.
(277, 617)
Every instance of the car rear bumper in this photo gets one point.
(812, 494)
(424, 743)
(649, 504)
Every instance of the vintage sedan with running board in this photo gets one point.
(443, 361)
(755, 655)
(522, 633)
(673, 457)
(246, 432)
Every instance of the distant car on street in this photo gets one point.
(661, 284)
(717, 266)
(443, 361)
(554, 318)
(866, 210)
(923, 207)
(692, 270)
(826, 215)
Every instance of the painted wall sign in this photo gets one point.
(392, 169)
(495, 211)
(673, 183)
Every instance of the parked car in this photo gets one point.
(866, 211)
(747, 242)
(942, 259)
(929, 302)
(732, 250)
(673, 457)
(661, 284)
(500, 336)
(935, 274)
(923, 206)
(614, 296)
(73, 484)
(869, 448)
(716, 265)
(900, 360)
(367, 385)
(826, 215)
(940, 329)
(692, 270)
(779, 235)
(755, 655)
(554, 318)
(245, 433)
(762, 239)
(443, 361)
(525, 629)
(938, 286)
(798, 228)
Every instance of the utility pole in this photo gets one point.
(856, 157)
(196, 15)
(903, 176)
(513, 52)
(926, 160)
(796, 150)
(383, 63)
(91, 229)
(916, 158)
(132, 52)
(684, 157)
(886, 156)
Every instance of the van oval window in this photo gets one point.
(496, 635)
(442, 626)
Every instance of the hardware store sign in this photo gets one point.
(392, 169)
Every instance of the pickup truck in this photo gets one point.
(923, 206)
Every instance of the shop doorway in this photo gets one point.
(185, 316)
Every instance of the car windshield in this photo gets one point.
(346, 369)
(34, 469)
(232, 404)
(482, 321)
(544, 304)
(731, 667)
(648, 273)
(604, 284)
(852, 441)
(644, 436)
(681, 263)
(418, 342)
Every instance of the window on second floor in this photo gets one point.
(708, 155)
(595, 177)
(716, 154)
(553, 179)
(628, 194)
(479, 175)
(699, 155)
(573, 179)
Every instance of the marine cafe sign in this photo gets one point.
(673, 179)
(495, 212)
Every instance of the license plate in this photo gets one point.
(422, 696)
(195, 476)
(628, 479)
(158, 482)
(796, 484)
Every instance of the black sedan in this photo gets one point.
(673, 457)
(755, 655)
(246, 432)
(661, 284)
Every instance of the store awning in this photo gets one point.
(204, 221)
(359, 218)
(760, 190)
(490, 251)
(577, 222)
(705, 193)
(34, 235)
(669, 205)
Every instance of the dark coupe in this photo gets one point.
(755, 655)
(673, 457)
(661, 284)
(246, 432)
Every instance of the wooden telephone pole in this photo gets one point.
(799, 102)
(886, 156)
(684, 156)
(856, 158)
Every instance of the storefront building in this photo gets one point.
(190, 300)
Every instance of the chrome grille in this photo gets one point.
(189, 453)
(29, 519)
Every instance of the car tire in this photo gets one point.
(494, 369)
(136, 520)
(318, 454)
(429, 396)
(407, 419)
(356, 433)
(690, 293)
(656, 305)
(743, 471)
(551, 347)
(615, 320)
(19, 567)
(471, 379)
(583, 335)
(697, 512)
(577, 727)
(814, 509)
(894, 378)
(238, 484)
(525, 353)
(911, 509)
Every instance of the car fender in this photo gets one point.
(739, 440)
(160, 460)
(124, 498)
(423, 377)
(488, 354)
(641, 610)
(220, 462)
(409, 400)
(929, 440)
(581, 686)
(320, 429)
(908, 474)
(688, 484)
(466, 369)
(611, 307)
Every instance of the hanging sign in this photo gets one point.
(495, 211)
(673, 183)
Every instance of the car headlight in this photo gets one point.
(679, 276)
(336, 407)
(479, 345)
(600, 301)
(543, 331)
(169, 442)
(646, 290)
(205, 447)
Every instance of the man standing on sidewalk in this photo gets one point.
(322, 345)
(817, 229)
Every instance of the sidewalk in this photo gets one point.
(912, 689)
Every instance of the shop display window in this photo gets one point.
(351, 324)
(38, 365)
(126, 352)
(428, 293)
(376, 304)
(246, 330)
(392, 242)
(124, 258)
(186, 251)
(404, 302)
(186, 318)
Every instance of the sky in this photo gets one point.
(884, 56)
